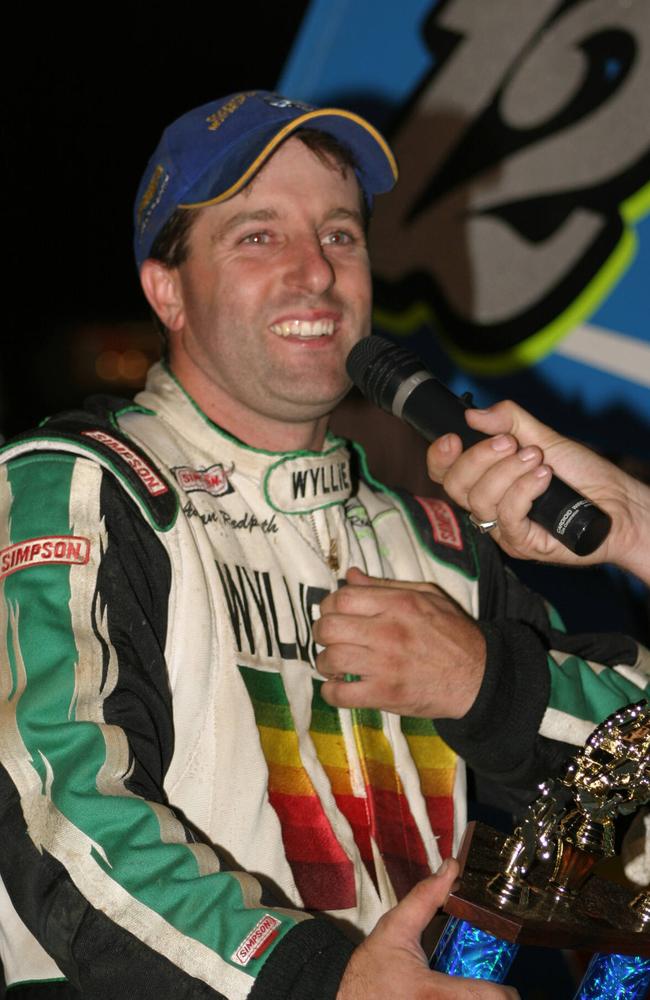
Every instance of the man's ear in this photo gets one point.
(161, 286)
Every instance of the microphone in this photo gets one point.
(397, 381)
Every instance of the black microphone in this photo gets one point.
(398, 382)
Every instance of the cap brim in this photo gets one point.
(374, 156)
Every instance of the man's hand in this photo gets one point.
(499, 478)
(414, 650)
(391, 963)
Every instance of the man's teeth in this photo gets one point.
(304, 328)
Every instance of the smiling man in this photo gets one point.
(199, 801)
(274, 293)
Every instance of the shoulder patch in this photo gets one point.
(70, 549)
(443, 530)
(443, 521)
(154, 484)
(94, 433)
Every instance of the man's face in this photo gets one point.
(275, 291)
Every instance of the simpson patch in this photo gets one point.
(153, 484)
(71, 549)
(259, 939)
(215, 480)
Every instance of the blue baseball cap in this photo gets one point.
(211, 153)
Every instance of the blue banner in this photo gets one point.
(515, 251)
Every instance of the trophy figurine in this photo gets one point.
(537, 886)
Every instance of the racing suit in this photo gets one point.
(177, 797)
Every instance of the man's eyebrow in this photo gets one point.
(242, 219)
(344, 213)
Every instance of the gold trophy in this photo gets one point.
(537, 886)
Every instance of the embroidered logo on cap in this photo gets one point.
(214, 480)
(444, 524)
(154, 485)
(151, 197)
(217, 118)
(47, 549)
(283, 102)
(259, 939)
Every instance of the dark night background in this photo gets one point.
(85, 102)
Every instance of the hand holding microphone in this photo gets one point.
(474, 478)
(397, 381)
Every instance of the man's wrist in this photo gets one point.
(630, 547)
(468, 691)
(499, 730)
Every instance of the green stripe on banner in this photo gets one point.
(578, 690)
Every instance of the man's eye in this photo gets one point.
(338, 238)
(256, 238)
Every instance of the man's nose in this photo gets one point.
(309, 268)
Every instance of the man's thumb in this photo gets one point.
(414, 912)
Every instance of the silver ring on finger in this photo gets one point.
(482, 526)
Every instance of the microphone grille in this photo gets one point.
(362, 356)
(377, 367)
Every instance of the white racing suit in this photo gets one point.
(177, 799)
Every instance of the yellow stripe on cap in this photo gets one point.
(282, 134)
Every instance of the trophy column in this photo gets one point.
(465, 950)
(610, 977)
